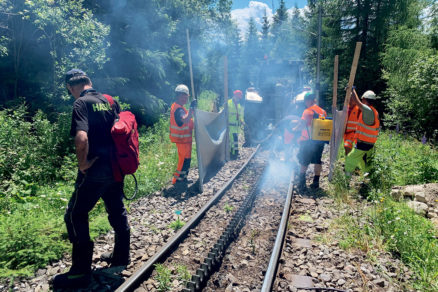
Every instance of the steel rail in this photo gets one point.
(140, 275)
(271, 272)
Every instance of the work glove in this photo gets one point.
(194, 104)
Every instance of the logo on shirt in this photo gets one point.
(98, 107)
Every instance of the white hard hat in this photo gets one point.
(182, 89)
(369, 94)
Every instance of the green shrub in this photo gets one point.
(30, 238)
(31, 151)
(412, 238)
(401, 160)
(206, 100)
(163, 277)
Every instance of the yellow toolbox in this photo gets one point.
(321, 129)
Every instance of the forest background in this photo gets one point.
(137, 50)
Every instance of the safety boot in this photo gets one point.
(302, 183)
(120, 255)
(315, 183)
(79, 275)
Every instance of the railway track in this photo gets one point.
(228, 220)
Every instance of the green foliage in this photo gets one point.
(30, 151)
(44, 40)
(183, 273)
(177, 224)
(163, 277)
(412, 238)
(412, 97)
(206, 100)
(158, 158)
(228, 208)
(399, 160)
(30, 238)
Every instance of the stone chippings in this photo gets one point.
(327, 264)
(149, 218)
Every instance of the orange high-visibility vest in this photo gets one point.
(353, 116)
(181, 134)
(311, 111)
(365, 133)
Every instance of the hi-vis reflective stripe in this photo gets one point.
(179, 128)
(367, 135)
(180, 136)
(367, 127)
(351, 128)
(351, 122)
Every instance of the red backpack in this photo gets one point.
(125, 136)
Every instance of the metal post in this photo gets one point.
(318, 57)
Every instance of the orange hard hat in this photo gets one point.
(238, 93)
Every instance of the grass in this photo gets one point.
(385, 224)
(163, 277)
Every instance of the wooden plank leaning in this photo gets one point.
(340, 129)
(334, 112)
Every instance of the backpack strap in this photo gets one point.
(110, 100)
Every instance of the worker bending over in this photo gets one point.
(310, 151)
(235, 120)
(350, 130)
(181, 128)
(367, 130)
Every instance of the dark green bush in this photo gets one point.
(32, 151)
(32, 238)
(400, 160)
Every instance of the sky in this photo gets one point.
(242, 11)
(289, 3)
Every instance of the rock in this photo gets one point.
(244, 264)
(420, 197)
(380, 282)
(418, 207)
(431, 215)
(325, 277)
(340, 282)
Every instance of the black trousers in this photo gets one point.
(87, 193)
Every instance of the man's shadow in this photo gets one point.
(182, 192)
(102, 279)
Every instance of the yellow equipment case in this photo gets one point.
(321, 129)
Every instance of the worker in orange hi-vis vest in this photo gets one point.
(310, 151)
(181, 128)
(367, 131)
(350, 129)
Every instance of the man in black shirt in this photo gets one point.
(92, 120)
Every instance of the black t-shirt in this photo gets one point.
(93, 114)
(178, 115)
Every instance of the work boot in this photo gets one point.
(315, 183)
(120, 255)
(302, 183)
(79, 275)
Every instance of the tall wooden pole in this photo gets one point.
(351, 80)
(190, 64)
(335, 82)
(318, 55)
(225, 78)
(333, 142)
